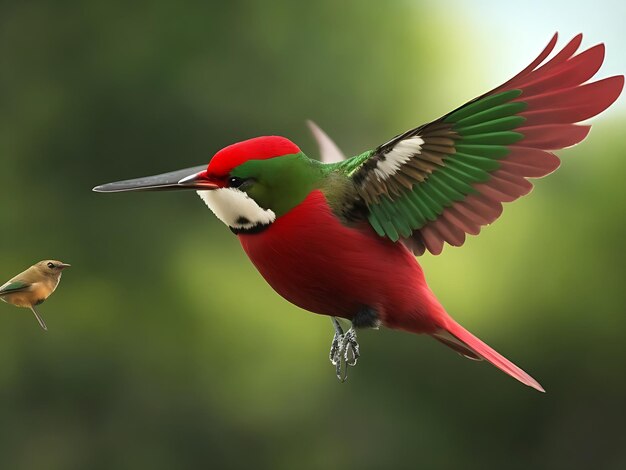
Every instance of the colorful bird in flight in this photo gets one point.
(340, 238)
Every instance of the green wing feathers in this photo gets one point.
(13, 286)
(436, 183)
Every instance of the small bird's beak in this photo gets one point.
(189, 178)
(64, 265)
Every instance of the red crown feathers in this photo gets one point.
(259, 148)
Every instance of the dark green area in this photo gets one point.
(165, 348)
(481, 105)
(497, 125)
(280, 184)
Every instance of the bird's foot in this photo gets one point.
(344, 350)
(335, 349)
(351, 348)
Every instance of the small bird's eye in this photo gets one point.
(235, 182)
(51, 265)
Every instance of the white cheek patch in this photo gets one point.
(398, 156)
(236, 209)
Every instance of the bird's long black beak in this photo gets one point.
(189, 178)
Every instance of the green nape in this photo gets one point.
(281, 183)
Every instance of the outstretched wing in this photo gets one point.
(12, 287)
(436, 183)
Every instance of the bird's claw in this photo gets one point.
(344, 352)
(335, 349)
(351, 348)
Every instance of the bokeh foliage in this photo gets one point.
(167, 350)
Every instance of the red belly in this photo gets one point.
(320, 265)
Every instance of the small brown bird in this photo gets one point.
(33, 286)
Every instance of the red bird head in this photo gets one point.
(248, 185)
(251, 183)
(259, 148)
(221, 167)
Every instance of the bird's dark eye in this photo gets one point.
(51, 265)
(235, 182)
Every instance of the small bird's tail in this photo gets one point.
(462, 341)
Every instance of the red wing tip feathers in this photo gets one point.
(619, 80)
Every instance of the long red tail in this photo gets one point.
(462, 341)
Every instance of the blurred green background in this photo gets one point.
(167, 350)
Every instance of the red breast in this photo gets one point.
(311, 259)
